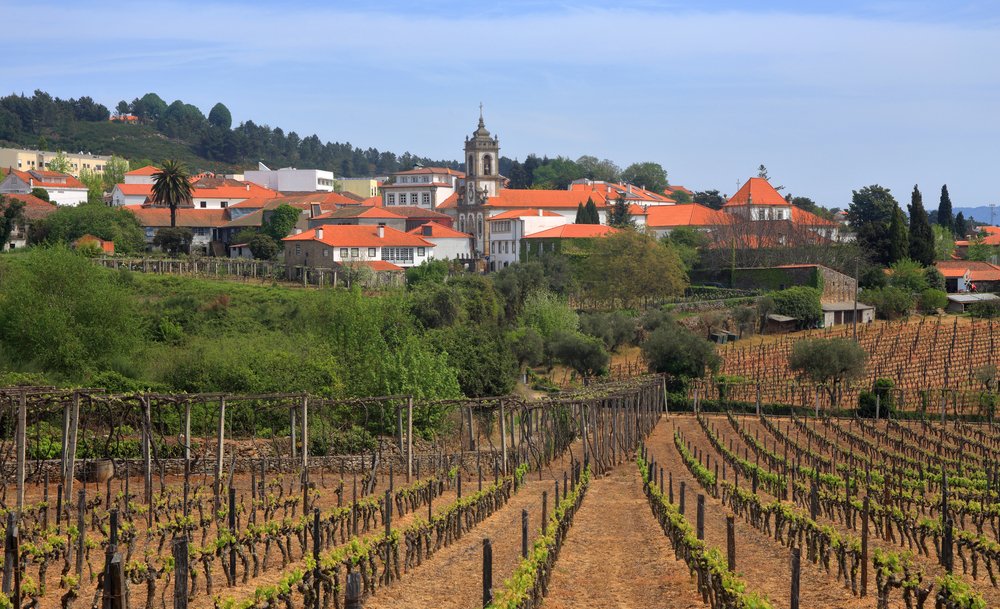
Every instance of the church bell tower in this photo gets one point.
(482, 159)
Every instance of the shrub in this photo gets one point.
(673, 350)
(174, 240)
(932, 299)
(908, 275)
(880, 398)
(615, 329)
(800, 302)
(889, 302)
(934, 277)
(549, 315)
(263, 247)
(986, 309)
(584, 354)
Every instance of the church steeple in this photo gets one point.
(482, 157)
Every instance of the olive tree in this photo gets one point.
(828, 362)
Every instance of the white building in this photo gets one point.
(449, 243)
(332, 245)
(426, 187)
(142, 175)
(290, 179)
(63, 189)
(507, 230)
(206, 193)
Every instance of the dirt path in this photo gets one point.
(616, 555)
(760, 560)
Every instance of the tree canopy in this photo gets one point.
(627, 266)
(870, 214)
(921, 235)
(828, 361)
(944, 214)
(648, 175)
(171, 187)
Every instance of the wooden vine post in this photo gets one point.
(220, 451)
(180, 552)
(796, 571)
(487, 572)
(147, 452)
(731, 542)
(22, 427)
(503, 438)
(409, 437)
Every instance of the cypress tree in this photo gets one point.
(921, 234)
(592, 216)
(961, 227)
(944, 210)
(898, 241)
(581, 214)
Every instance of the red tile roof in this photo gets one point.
(135, 190)
(268, 202)
(546, 199)
(524, 213)
(978, 271)
(148, 170)
(186, 216)
(418, 212)
(688, 214)
(431, 170)
(807, 218)
(379, 266)
(757, 191)
(338, 235)
(45, 179)
(439, 231)
(574, 231)
(357, 211)
(34, 208)
(108, 247)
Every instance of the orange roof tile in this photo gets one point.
(978, 271)
(431, 170)
(807, 218)
(186, 216)
(45, 179)
(574, 231)
(546, 199)
(408, 211)
(757, 191)
(34, 208)
(524, 213)
(358, 211)
(148, 170)
(687, 214)
(135, 190)
(379, 266)
(339, 235)
(439, 231)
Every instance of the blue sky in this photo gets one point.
(831, 96)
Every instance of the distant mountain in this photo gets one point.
(980, 214)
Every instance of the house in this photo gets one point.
(426, 187)
(836, 313)
(969, 275)
(332, 245)
(326, 201)
(662, 219)
(290, 179)
(203, 223)
(761, 217)
(240, 250)
(108, 247)
(449, 243)
(361, 187)
(207, 192)
(63, 189)
(34, 209)
(142, 175)
(566, 239)
(40, 160)
(418, 216)
(360, 216)
(960, 303)
(507, 230)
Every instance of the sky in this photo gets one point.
(830, 96)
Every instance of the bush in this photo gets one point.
(615, 329)
(935, 279)
(584, 354)
(932, 299)
(174, 240)
(889, 302)
(986, 309)
(800, 302)
(549, 315)
(528, 346)
(908, 275)
(263, 247)
(884, 403)
(672, 349)
(429, 271)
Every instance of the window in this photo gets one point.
(425, 198)
(371, 252)
(397, 254)
(426, 179)
(487, 165)
(413, 198)
(298, 249)
(420, 251)
(390, 199)
(326, 252)
(225, 204)
(343, 252)
(203, 204)
(354, 252)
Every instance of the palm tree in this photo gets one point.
(171, 187)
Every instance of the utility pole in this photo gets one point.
(857, 279)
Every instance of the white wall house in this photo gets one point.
(331, 245)
(426, 187)
(63, 189)
(507, 230)
(142, 175)
(449, 243)
(290, 179)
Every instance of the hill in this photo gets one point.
(979, 214)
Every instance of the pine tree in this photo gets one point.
(898, 240)
(593, 217)
(961, 227)
(921, 234)
(581, 214)
(944, 217)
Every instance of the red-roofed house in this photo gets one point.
(206, 193)
(449, 243)
(556, 240)
(662, 219)
(969, 275)
(333, 245)
(204, 223)
(108, 247)
(761, 217)
(34, 209)
(508, 228)
(142, 175)
(63, 188)
(426, 187)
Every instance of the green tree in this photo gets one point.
(584, 354)
(681, 197)
(870, 214)
(934, 277)
(628, 266)
(899, 242)
(528, 347)
(619, 215)
(41, 193)
(890, 302)
(593, 217)
(921, 235)
(95, 186)
(114, 172)
(709, 198)
(172, 188)
(961, 227)
(11, 218)
(829, 362)
(648, 175)
(908, 275)
(549, 315)
(556, 174)
(281, 221)
(599, 170)
(59, 163)
(944, 217)
(580, 219)
(944, 243)
(800, 302)
(174, 240)
(220, 117)
(263, 247)
(675, 350)
(688, 242)
(932, 299)
(67, 224)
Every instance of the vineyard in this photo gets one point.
(932, 362)
(594, 498)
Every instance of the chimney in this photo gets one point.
(319, 233)
(248, 187)
(630, 189)
(297, 231)
(381, 230)
(31, 182)
(540, 213)
(428, 230)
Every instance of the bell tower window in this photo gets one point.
(487, 165)
(471, 169)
